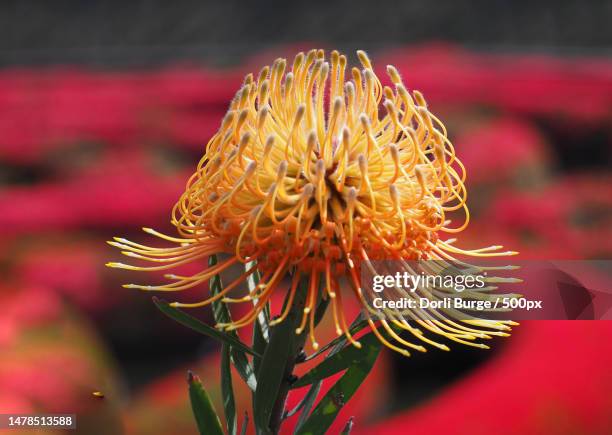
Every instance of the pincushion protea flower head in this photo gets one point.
(309, 176)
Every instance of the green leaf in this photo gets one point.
(273, 368)
(309, 400)
(220, 311)
(245, 424)
(259, 344)
(320, 311)
(260, 325)
(227, 391)
(348, 427)
(342, 360)
(198, 326)
(206, 417)
(300, 405)
(312, 393)
(252, 282)
(222, 314)
(260, 335)
(272, 371)
(339, 394)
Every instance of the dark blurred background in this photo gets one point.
(154, 32)
(105, 109)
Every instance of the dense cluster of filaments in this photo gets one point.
(311, 174)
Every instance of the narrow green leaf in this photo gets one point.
(314, 389)
(260, 331)
(320, 311)
(244, 369)
(222, 314)
(339, 394)
(299, 406)
(260, 326)
(259, 344)
(204, 412)
(227, 391)
(309, 400)
(273, 368)
(195, 324)
(272, 371)
(220, 311)
(245, 424)
(341, 360)
(252, 282)
(348, 427)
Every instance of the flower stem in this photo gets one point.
(295, 315)
(278, 411)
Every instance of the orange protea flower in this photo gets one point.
(308, 176)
